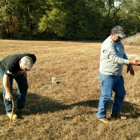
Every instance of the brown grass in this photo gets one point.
(66, 109)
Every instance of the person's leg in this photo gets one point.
(22, 87)
(107, 83)
(119, 96)
(8, 104)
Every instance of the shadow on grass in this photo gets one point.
(39, 104)
(129, 109)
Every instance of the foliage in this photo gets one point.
(66, 19)
(72, 19)
(130, 17)
(19, 18)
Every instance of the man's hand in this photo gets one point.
(135, 62)
(8, 97)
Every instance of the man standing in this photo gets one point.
(12, 67)
(112, 59)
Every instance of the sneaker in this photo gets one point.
(14, 117)
(118, 116)
(23, 110)
(104, 120)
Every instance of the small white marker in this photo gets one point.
(53, 79)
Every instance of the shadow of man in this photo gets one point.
(41, 104)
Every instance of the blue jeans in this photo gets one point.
(110, 83)
(22, 87)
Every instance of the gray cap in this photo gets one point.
(118, 31)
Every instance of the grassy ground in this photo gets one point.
(66, 109)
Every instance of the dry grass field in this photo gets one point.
(66, 109)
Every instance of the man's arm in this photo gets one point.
(116, 59)
(6, 85)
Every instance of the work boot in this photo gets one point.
(14, 117)
(23, 111)
(104, 120)
(118, 116)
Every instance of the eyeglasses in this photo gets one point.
(119, 37)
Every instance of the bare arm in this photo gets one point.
(6, 85)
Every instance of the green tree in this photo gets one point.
(74, 20)
(125, 14)
(129, 16)
(19, 18)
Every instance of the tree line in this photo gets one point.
(67, 19)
